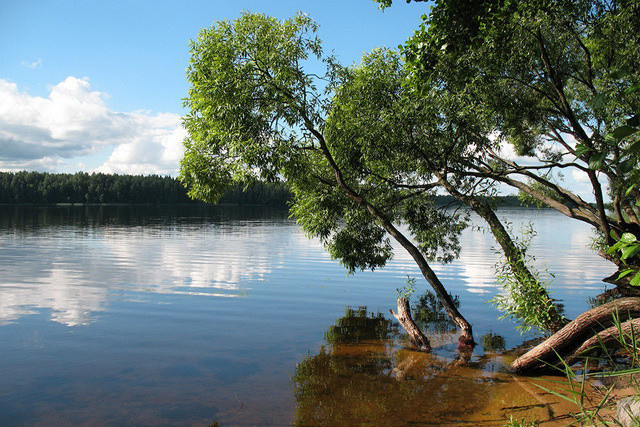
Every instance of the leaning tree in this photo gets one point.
(255, 113)
(379, 116)
(364, 147)
(558, 80)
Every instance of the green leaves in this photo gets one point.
(628, 238)
(541, 75)
(597, 160)
(256, 114)
(626, 166)
(436, 230)
(623, 131)
(627, 247)
(524, 295)
(630, 251)
(625, 137)
(633, 89)
(581, 150)
(600, 99)
(635, 120)
(634, 149)
(408, 288)
(625, 273)
(248, 99)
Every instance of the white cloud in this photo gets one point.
(32, 64)
(73, 121)
(507, 150)
(157, 151)
(579, 175)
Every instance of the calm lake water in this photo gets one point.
(186, 316)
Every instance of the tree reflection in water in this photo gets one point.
(493, 343)
(430, 315)
(356, 326)
(363, 376)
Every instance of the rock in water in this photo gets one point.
(629, 411)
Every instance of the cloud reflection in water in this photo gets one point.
(74, 271)
(75, 276)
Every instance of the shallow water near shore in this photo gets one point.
(186, 316)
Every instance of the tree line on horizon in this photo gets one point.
(43, 188)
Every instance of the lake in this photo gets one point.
(120, 315)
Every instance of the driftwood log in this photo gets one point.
(581, 336)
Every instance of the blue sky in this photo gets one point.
(98, 85)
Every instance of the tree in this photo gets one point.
(383, 119)
(255, 114)
(558, 80)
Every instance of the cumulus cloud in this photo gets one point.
(508, 151)
(73, 121)
(157, 150)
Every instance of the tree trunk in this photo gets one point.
(513, 254)
(515, 258)
(609, 338)
(418, 339)
(577, 336)
(466, 338)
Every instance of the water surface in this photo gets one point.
(186, 316)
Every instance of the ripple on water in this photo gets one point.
(167, 319)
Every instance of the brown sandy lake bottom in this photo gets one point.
(190, 316)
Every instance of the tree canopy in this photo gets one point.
(364, 148)
(255, 113)
(558, 80)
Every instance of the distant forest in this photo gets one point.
(41, 188)
(98, 188)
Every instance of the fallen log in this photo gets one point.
(609, 338)
(579, 336)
